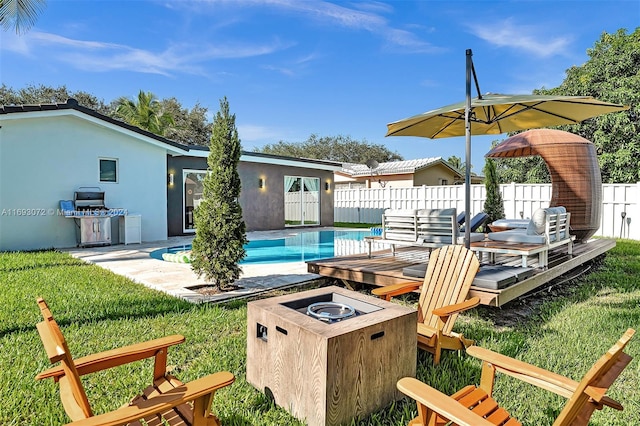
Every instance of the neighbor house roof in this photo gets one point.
(174, 148)
(395, 167)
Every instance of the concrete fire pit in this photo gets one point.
(332, 362)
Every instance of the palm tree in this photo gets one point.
(147, 113)
(19, 14)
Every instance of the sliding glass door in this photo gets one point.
(301, 201)
(193, 185)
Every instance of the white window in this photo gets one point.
(108, 170)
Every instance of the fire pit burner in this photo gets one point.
(330, 311)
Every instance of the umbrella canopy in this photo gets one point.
(572, 161)
(494, 114)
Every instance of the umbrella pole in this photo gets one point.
(467, 172)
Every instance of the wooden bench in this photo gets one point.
(527, 243)
(431, 228)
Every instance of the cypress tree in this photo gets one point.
(218, 245)
(493, 204)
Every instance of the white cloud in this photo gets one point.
(14, 43)
(532, 39)
(282, 70)
(100, 56)
(363, 17)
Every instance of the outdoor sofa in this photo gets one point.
(431, 228)
(548, 228)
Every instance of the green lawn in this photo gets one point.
(98, 310)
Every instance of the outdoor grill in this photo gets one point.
(89, 201)
(92, 216)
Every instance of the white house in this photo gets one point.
(48, 152)
(401, 174)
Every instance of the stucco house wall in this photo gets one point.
(438, 174)
(46, 156)
(401, 174)
(262, 208)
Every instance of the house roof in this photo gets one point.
(72, 104)
(175, 148)
(259, 157)
(396, 167)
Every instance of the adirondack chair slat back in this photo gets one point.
(72, 392)
(590, 391)
(450, 273)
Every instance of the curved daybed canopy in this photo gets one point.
(576, 182)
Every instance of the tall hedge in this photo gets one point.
(218, 245)
(493, 205)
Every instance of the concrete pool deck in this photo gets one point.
(134, 262)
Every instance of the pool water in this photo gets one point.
(301, 247)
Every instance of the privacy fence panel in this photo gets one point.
(620, 208)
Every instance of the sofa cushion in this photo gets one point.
(495, 277)
(489, 276)
(517, 236)
(552, 237)
(500, 276)
(398, 236)
(436, 212)
(435, 238)
(392, 212)
(539, 218)
(512, 223)
(416, 271)
(475, 237)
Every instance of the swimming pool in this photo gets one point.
(301, 247)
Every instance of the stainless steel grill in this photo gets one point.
(84, 200)
(92, 217)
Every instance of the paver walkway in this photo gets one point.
(134, 261)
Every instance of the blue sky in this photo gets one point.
(290, 68)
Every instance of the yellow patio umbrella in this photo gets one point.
(494, 114)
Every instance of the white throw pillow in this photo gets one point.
(537, 223)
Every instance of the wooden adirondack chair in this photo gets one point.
(450, 272)
(168, 398)
(474, 406)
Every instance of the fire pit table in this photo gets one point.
(330, 354)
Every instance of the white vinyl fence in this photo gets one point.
(361, 205)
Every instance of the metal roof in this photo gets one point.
(394, 167)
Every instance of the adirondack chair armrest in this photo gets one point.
(440, 403)
(447, 311)
(597, 395)
(526, 372)
(185, 393)
(387, 292)
(115, 357)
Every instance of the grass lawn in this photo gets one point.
(98, 310)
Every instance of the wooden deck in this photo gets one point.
(384, 269)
